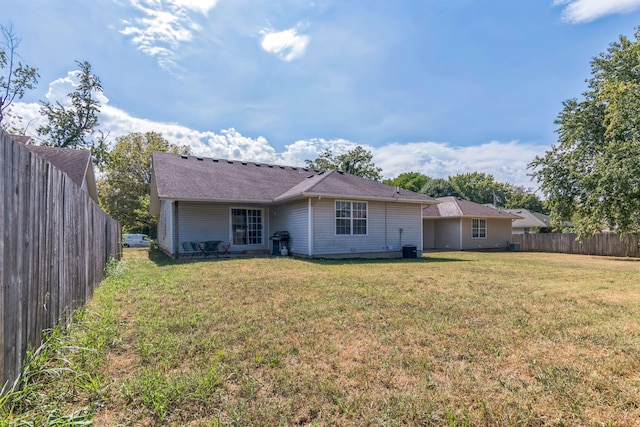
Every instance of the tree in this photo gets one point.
(438, 187)
(125, 185)
(591, 176)
(15, 78)
(412, 181)
(478, 187)
(520, 197)
(356, 162)
(74, 126)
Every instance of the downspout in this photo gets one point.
(176, 233)
(386, 246)
(461, 220)
(310, 227)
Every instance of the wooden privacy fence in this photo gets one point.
(606, 244)
(55, 244)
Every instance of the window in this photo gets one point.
(479, 228)
(246, 226)
(351, 218)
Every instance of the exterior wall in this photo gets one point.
(165, 226)
(447, 234)
(384, 225)
(294, 218)
(428, 234)
(498, 234)
(208, 221)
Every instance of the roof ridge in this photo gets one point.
(322, 174)
(458, 207)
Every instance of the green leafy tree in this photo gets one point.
(591, 176)
(412, 181)
(478, 187)
(438, 187)
(15, 78)
(75, 126)
(356, 162)
(521, 197)
(124, 187)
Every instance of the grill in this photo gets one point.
(280, 241)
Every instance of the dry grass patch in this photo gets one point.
(450, 339)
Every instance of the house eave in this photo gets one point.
(307, 195)
(221, 201)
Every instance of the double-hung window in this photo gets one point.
(351, 218)
(246, 226)
(479, 228)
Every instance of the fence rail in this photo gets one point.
(54, 246)
(606, 244)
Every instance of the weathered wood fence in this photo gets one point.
(606, 244)
(55, 244)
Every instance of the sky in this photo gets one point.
(441, 87)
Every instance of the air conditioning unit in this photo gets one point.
(514, 246)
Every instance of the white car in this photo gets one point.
(136, 241)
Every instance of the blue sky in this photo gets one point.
(436, 86)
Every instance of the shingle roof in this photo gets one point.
(70, 161)
(530, 219)
(454, 207)
(200, 178)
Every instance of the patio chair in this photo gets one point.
(188, 250)
(198, 249)
(216, 247)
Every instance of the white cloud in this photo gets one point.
(581, 11)
(506, 161)
(287, 44)
(164, 27)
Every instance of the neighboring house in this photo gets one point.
(327, 213)
(530, 222)
(75, 163)
(456, 224)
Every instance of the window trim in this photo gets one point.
(231, 232)
(350, 218)
(478, 230)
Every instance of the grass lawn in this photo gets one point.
(450, 339)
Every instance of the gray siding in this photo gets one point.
(294, 218)
(498, 234)
(447, 234)
(207, 221)
(165, 226)
(385, 222)
(428, 231)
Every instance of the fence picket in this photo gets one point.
(54, 244)
(605, 244)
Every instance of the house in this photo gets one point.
(75, 163)
(457, 224)
(326, 213)
(530, 222)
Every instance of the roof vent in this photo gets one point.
(185, 157)
(281, 167)
(199, 158)
(215, 160)
(244, 163)
(257, 164)
(230, 162)
(270, 166)
(295, 169)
